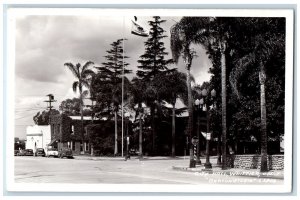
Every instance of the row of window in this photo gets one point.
(58, 129)
(85, 145)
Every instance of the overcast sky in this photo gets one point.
(45, 43)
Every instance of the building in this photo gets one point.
(37, 137)
(66, 132)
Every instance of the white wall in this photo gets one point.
(39, 135)
(33, 140)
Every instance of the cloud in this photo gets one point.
(45, 43)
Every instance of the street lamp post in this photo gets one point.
(197, 105)
(205, 106)
(193, 153)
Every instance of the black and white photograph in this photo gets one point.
(149, 100)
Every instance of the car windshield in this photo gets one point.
(52, 149)
(29, 150)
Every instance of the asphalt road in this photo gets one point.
(151, 171)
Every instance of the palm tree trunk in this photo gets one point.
(190, 119)
(264, 137)
(190, 104)
(116, 134)
(81, 117)
(173, 131)
(224, 104)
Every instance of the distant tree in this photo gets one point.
(72, 107)
(19, 144)
(42, 118)
(107, 84)
(100, 137)
(83, 75)
(152, 64)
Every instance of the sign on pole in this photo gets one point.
(208, 136)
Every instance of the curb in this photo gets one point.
(99, 158)
(255, 174)
(78, 157)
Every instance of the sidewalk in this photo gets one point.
(217, 170)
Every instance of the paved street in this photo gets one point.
(116, 170)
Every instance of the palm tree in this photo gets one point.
(82, 74)
(204, 31)
(189, 30)
(222, 46)
(267, 39)
(173, 86)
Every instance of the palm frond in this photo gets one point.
(87, 73)
(73, 69)
(176, 42)
(189, 30)
(75, 86)
(240, 69)
(86, 65)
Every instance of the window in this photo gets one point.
(87, 146)
(72, 129)
(73, 145)
(81, 146)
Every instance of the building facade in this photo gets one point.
(37, 137)
(66, 133)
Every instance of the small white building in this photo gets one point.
(37, 137)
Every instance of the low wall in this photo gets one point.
(275, 162)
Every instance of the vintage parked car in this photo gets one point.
(40, 152)
(52, 152)
(65, 152)
(28, 152)
(133, 152)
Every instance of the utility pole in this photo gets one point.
(51, 99)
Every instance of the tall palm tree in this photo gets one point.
(204, 31)
(173, 86)
(82, 74)
(222, 46)
(187, 31)
(267, 38)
